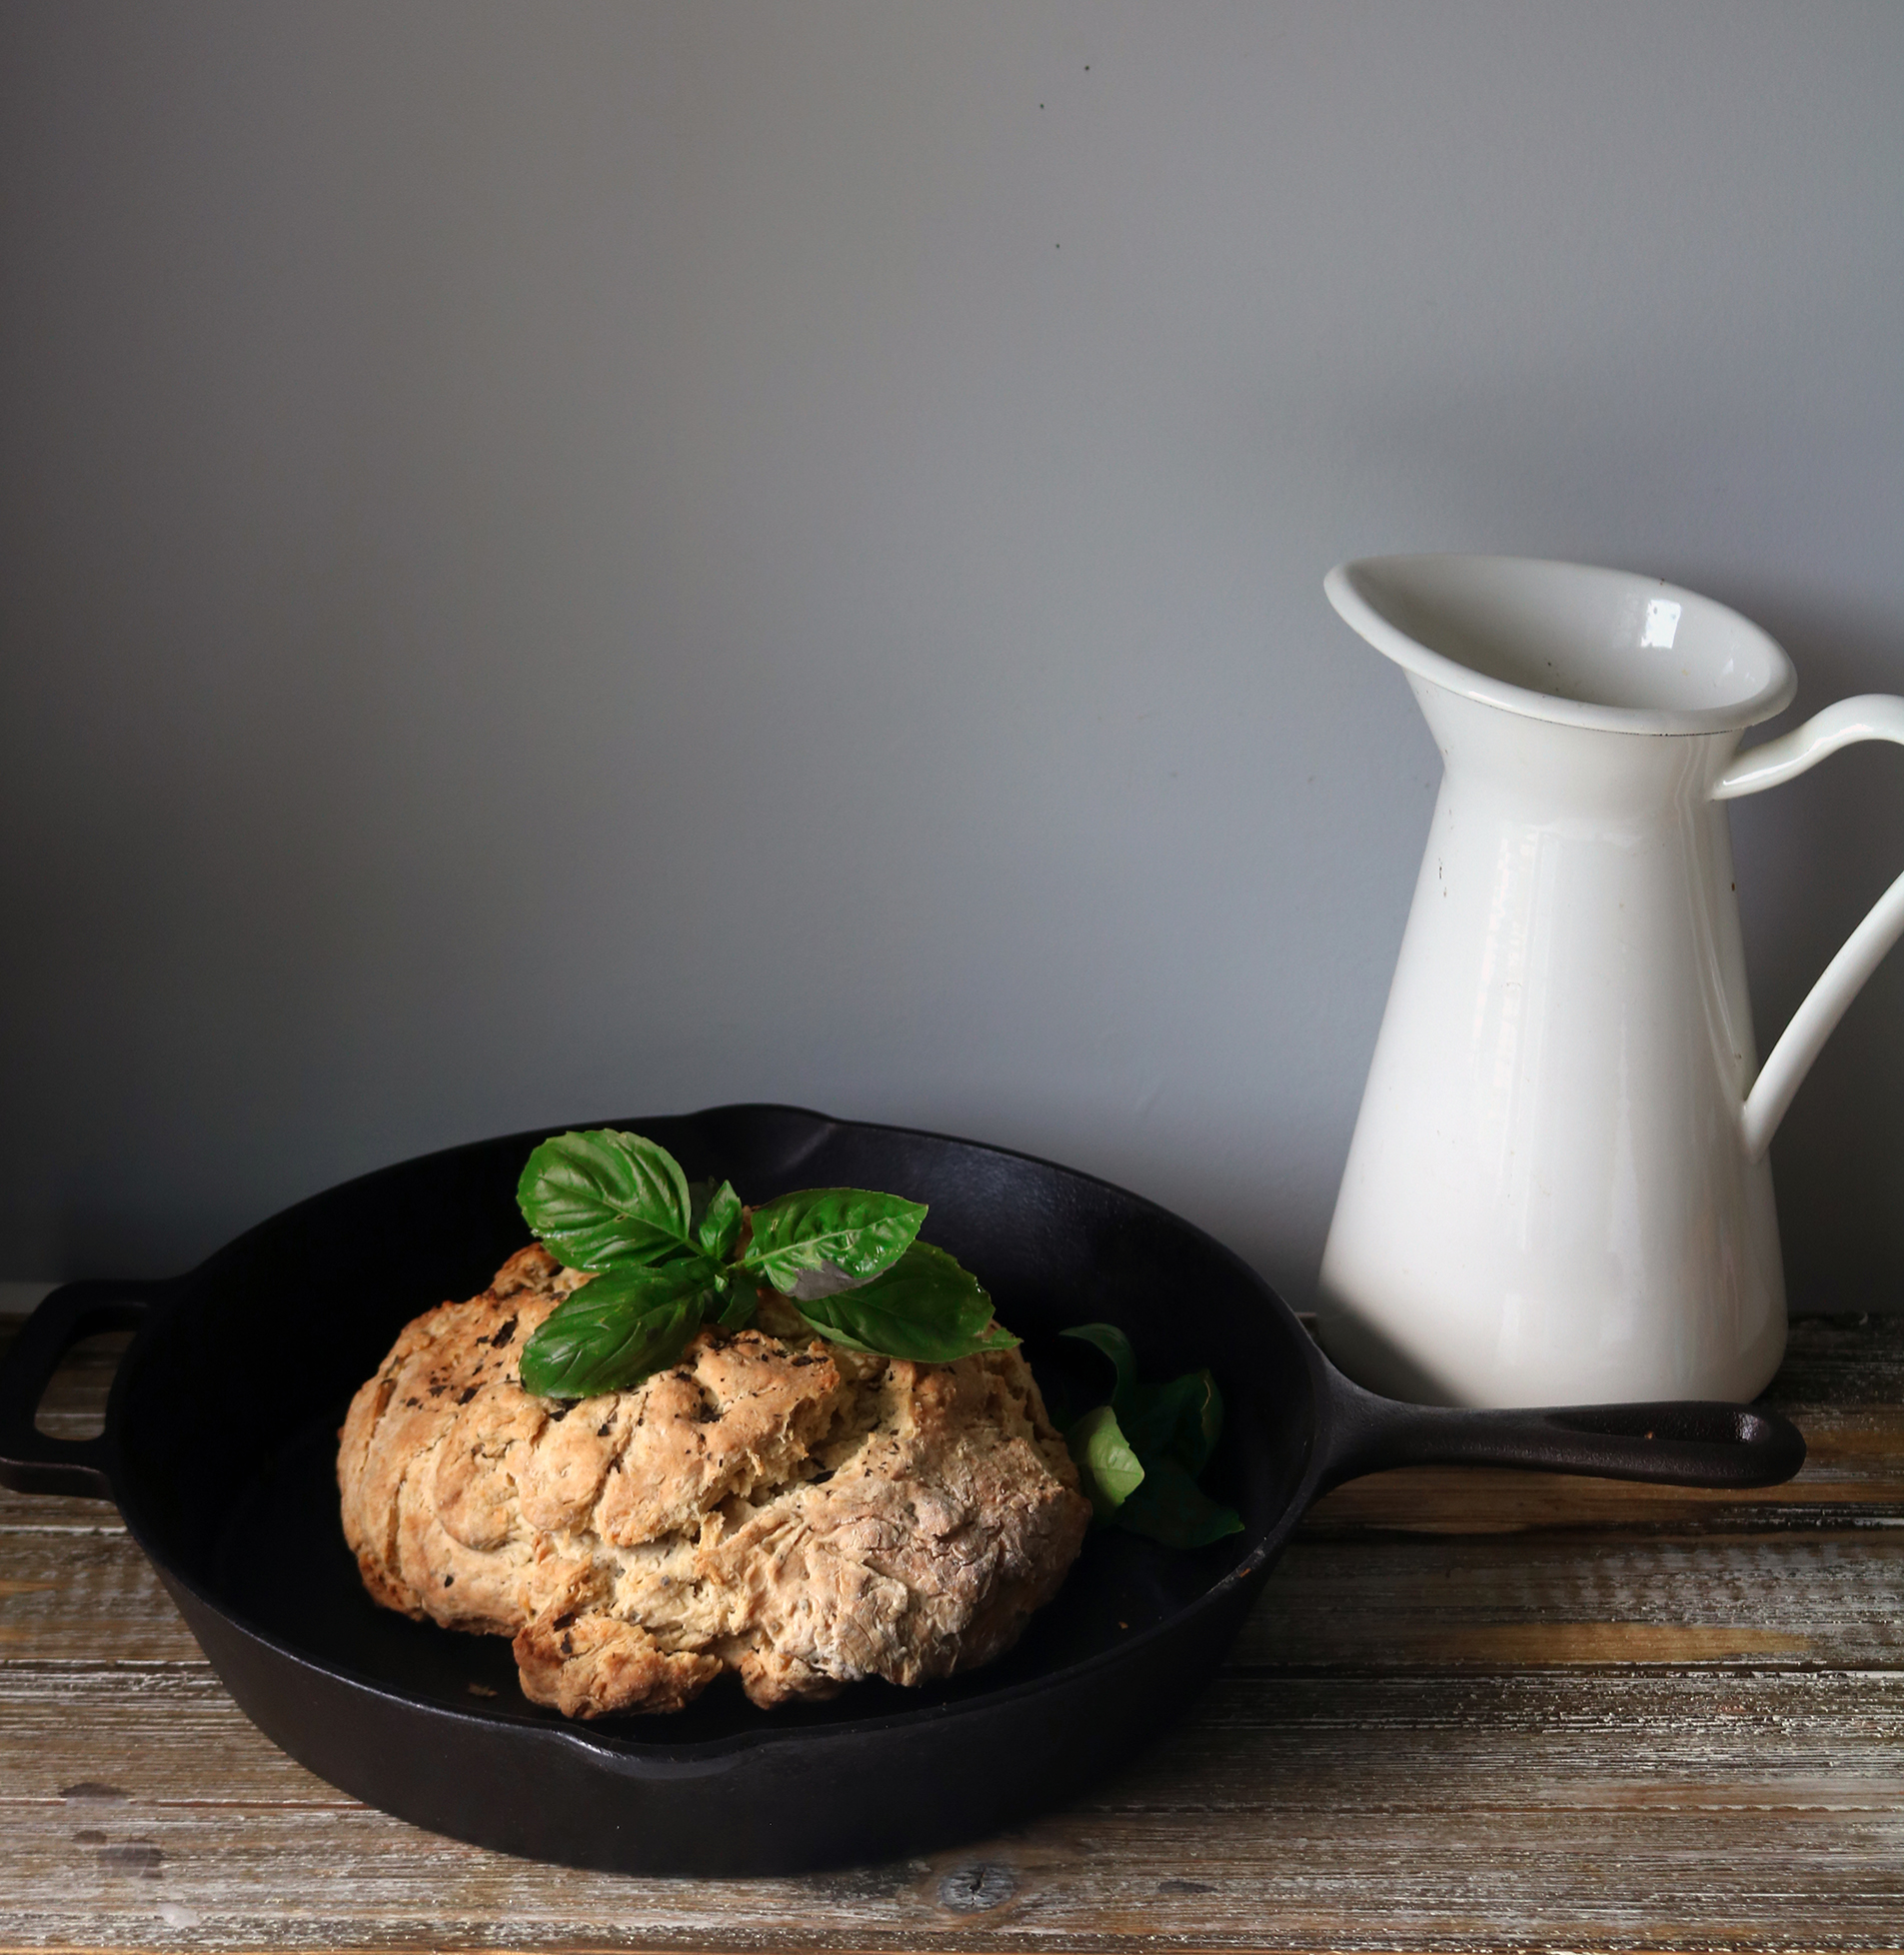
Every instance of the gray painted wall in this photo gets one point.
(565, 560)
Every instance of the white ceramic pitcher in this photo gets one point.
(1558, 1191)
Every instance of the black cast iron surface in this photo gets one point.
(220, 1449)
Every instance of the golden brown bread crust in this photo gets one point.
(777, 1505)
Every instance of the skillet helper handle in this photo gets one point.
(32, 1462)
(1677, 1443)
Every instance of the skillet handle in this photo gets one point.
(31, 1462)
(1681, 1442)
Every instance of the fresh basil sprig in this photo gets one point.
(667, 1254)
(1141, 1455)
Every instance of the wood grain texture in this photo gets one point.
(1784, 1601)
(1287, 1812)
(1471, 1712)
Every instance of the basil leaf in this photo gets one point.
(1171, 1507)
(717, 1222)
(1170, 1431)
(642, 1288)
(603, 1199)
(858, 1232)
(1109, 1470)
(924, 1307)
(743, 1298)
(614, 1332)
(826, 1281)
(998, 1338)
(1179, 1421)
(1116, 1347)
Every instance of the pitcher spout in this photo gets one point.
(1567, 643)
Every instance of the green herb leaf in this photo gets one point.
(924, 1307)
(1109, 1469)
(842, 1235)
(601, 1201)
(1171, 1507)
(1172, 1430)
(742, 1300)
(1115, 1346)
(1179, 1421)
(717, 1221)
(615, 1331)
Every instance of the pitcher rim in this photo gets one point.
(1439, 669)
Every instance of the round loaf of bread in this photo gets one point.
(775, 1504)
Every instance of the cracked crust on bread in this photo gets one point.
(777, 1505)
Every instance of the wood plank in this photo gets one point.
(1437, 1602)
(1380, 1602)
(1432, 1812)
(86, 1597)
(1850, 1359)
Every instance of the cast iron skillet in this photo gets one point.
(221, 1431)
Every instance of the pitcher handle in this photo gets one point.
(1871, 716)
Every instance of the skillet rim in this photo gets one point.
(607, 1743)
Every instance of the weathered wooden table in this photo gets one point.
(1473, 1709)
